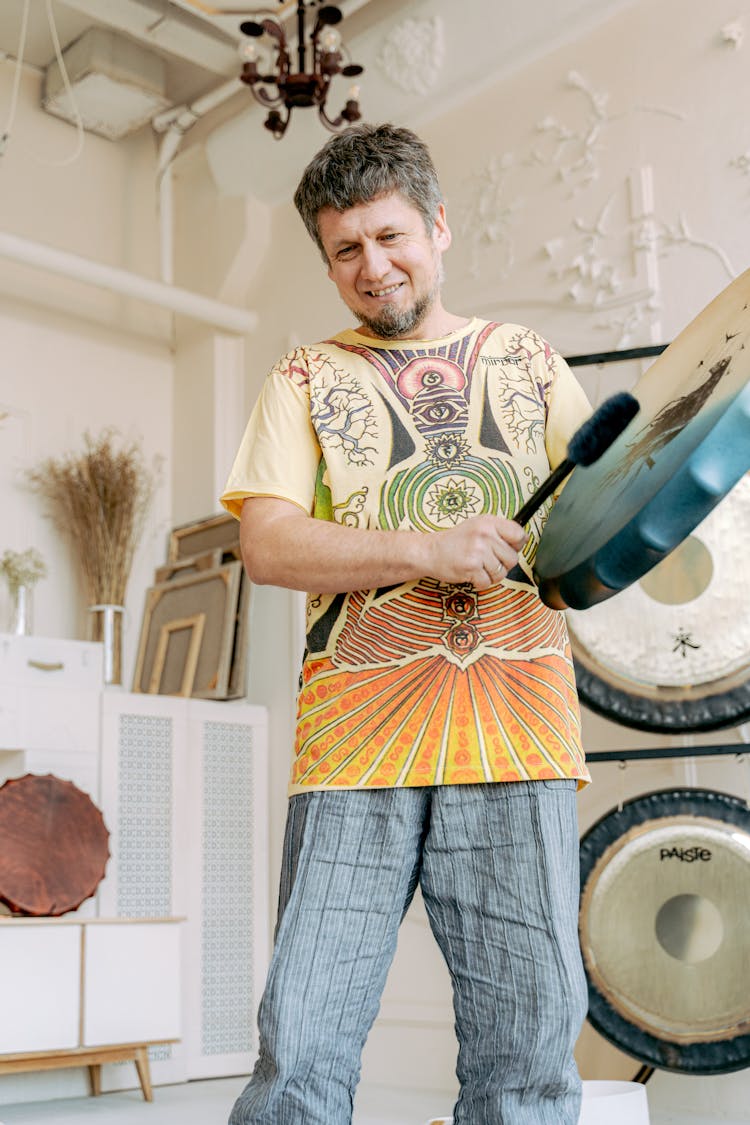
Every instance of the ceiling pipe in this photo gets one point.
(173, 124)
(193, 305)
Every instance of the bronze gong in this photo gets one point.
(665, 929)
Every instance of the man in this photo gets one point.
(438, 737)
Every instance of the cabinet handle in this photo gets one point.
(46, 667)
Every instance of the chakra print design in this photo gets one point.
(447, 451)
(450, 501)
(424, 498)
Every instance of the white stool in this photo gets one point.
(604, 1103)
(614, 1103)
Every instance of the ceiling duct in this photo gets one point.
(117, 84)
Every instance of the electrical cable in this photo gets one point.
(69, 90)
(5, 136)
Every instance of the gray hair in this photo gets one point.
(361, 163)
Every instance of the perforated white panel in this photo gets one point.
(228, 1002)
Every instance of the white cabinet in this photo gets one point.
(89, 982)
(183, 788)
(184, 794)
(49, 709)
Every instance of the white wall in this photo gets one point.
(75, 358)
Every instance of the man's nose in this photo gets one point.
(375, 261)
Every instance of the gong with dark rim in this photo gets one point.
(665, 929)
(53, 845)
(671, 653)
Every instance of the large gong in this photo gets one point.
(672, 651)
(665, 929)
(664, 516)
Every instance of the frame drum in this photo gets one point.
(664, 516)
(665, 929)
(688, 446)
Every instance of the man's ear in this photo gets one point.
(441, 232)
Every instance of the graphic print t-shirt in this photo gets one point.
(424, 683)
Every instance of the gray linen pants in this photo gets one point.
(498, 869)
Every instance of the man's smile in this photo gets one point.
(384, 292)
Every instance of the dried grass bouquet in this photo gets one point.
(100, 498)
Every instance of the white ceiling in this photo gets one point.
(451, 51)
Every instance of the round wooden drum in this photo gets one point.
(53, 845)
(665, 886)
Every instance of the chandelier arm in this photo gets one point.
(332, 124)
(263, 98)
(280, 125)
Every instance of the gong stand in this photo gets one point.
(739, 750)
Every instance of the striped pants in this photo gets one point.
(498, 868)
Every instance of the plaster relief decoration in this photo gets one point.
(490, 216)
(666, 237)
(575, 152)
(732, 34)
(602, 266)
(412, 54)
(741, 163)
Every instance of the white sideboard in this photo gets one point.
(94, 990)
(182, 785)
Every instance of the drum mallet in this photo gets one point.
(586, 446)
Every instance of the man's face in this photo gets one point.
(384, 263)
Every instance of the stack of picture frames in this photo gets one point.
(195, 620)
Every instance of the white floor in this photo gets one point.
(208, 1103)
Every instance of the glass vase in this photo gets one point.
(21, 623)
(107, 628)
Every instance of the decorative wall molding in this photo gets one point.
(741, 163)
(490, 216)
(732, 34)
(412, 54)
(575, 152)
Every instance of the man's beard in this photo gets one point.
(393, 323)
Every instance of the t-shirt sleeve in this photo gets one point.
(279, 454)
(567, 408)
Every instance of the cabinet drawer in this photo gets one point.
(132, 989)
(51, 662)
(40, 983)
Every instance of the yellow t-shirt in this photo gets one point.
(424, 683)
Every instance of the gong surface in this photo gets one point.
(665, 929)
(53, 845)
(685, 449)
(672, 651)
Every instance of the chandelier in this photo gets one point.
(282, 87)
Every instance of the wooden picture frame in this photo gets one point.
(237, 688)
(218, 532)
(207, 561)
(215, 594)
(183, 663)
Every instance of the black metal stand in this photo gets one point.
(617, 356)
(739, 750)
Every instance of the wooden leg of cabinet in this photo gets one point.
(144, 1072)
(95, 1079)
